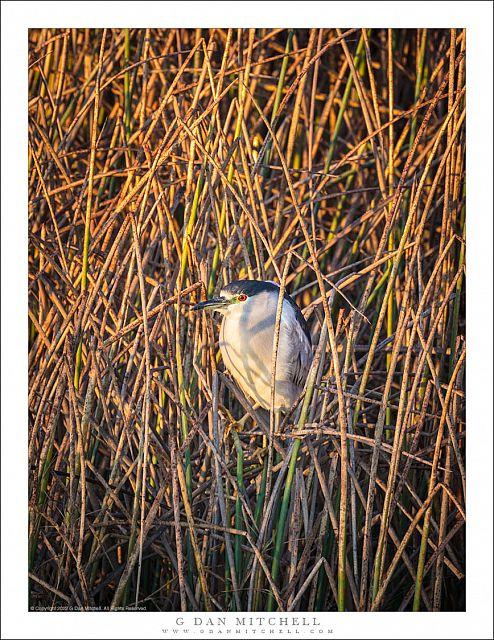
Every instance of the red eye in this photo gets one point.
(242, 297)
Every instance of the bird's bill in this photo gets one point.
(213, 304)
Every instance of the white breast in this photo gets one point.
(246, 343)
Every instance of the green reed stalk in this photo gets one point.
(262, 491)
(456, 305)
(87, 223)
(344, 103)
(243, 80)
(285, 503)
(127, 84)
(185, 433)
(391, 245)
(277, 100)
(238, 506)
(418, 84)
(358, 59)
(280, 530)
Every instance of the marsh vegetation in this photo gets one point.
(164, 163)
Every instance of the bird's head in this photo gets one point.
(241, 295)
(234, 293)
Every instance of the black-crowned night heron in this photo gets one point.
(247, 336)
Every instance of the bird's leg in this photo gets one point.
(276, 421)
(244, 418)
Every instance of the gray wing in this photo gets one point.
(299, 356)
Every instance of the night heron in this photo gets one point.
(246, 341)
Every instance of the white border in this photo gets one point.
(17, 17)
